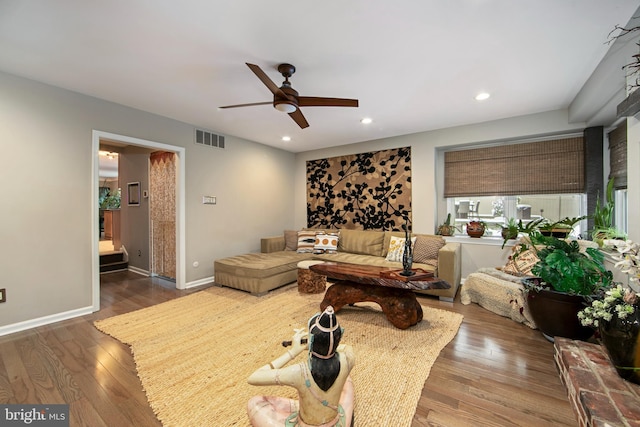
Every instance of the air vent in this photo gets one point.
(209, 139)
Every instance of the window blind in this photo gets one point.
(618, 156)
(544, 167)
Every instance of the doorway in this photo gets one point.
(180, 272)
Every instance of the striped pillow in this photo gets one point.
(306, 241)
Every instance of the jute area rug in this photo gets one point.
(194, 354)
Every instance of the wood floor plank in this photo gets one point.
(22, 387)
(494, 373)
(83, 413)
(6, 392)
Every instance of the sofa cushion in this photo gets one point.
(426, 248)
(522, 265)
(387, 240)
(326, 242)
(366, 242)
(260, 265)
(290, 240)
(306, 241)
(396, 248)
(360, 259)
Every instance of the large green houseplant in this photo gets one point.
(566, 275)
(565, 266)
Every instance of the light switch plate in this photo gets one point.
(208, 200)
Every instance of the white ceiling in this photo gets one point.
(414, 65)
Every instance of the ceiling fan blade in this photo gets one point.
(314, 101)
(248, 105)
(266, 80)
(298, 117)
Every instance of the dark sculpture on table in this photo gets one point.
(407, 255)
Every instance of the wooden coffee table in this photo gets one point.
(382, 285)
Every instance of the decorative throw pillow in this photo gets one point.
(306, 241)
(290, 240)
(396, 248)
(426, 249)
(523, 263)
(326, 243)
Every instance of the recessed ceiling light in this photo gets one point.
(366, 121)
(286, 138)
(482, 96)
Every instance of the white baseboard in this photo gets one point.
(46, 320)
(199, 282)
(138, 271)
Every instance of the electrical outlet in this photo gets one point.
(3, 295)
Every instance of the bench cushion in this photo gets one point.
(258, 272)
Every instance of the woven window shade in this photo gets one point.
(618, 156)
(545, 167)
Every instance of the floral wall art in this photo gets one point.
(366, 191)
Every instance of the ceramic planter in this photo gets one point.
(475, 228)
(556, 314)
(620, 338)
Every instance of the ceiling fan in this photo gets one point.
(286, 99)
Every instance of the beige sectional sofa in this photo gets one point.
(276, 264)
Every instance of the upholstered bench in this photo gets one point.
(258, 273)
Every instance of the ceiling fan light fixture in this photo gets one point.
(285, 107)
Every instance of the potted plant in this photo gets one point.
(560, 229)
(615, 313)
(446, 228)
(567, 274)
(476, 228)
(603, 228)
(108, 199)
(510, 230)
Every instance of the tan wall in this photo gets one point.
(46, 228)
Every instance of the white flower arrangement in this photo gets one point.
(619, 300)
(628, 257)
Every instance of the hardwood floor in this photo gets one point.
(494, 373)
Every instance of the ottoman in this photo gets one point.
(308, 281)
(258, 273)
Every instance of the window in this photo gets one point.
(618, 171)
(524, 180)
(543, 167)
(494, 211)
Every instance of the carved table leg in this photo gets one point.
(399, 305)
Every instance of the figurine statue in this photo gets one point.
(407, 255)
(325, 390)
